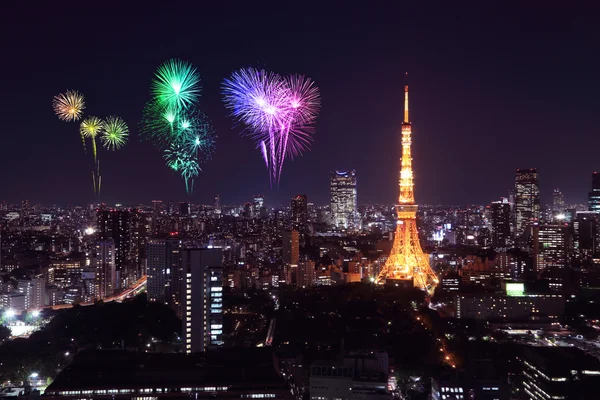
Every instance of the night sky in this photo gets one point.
(493, 88)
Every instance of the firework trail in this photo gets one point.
(173, 122)
(277, 111)
(113, 132)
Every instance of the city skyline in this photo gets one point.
(476, 75)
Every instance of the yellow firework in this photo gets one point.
(69, 106)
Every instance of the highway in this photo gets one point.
(133, 290)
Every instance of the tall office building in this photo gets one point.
(594, 195)
(116, 225)
(203, 300)
(344, 211)
(106, 274)
(527, 199)
(552, 247)
(305, 274)
(585, 234)
(164, 271)
(500, 220)
(291, 254)
(257, 206)
(184, 209)
(34, 290)
(217, 204)
(299, 213)
(558, 201)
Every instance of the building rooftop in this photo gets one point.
(118, 369)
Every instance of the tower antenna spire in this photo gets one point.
(406, 99)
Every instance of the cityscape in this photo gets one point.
(314, 295)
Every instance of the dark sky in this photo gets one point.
(494, 86)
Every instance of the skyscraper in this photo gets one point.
(500, 218)
(552, 251)
(291, 254)
(299, 213)
(164, 271)
(184, 209)
(106, 276)
(116, 225)
(407, 262)
(203, 300)
(343, 199)
(257, 206)
(558, 201)
(594, 195)
(585, 234)
(527, 199)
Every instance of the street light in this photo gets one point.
(34, 375)
(35, 313)
(9, 313)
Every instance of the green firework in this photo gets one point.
(114, 133)
(176, 85)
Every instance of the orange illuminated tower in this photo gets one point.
(407, 262)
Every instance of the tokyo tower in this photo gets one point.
(407, 262)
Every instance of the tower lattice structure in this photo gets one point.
(407, 261)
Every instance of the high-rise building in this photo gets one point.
(552, 247)
(585, 233)
(217, 204)
(305, 274)
(527, 199)
(500, 221)
(558, 201)
(344, 211)
(203, 301)
(34, 291)
(116, 225)
(257, 206)
(184, 209)
(299, 213)
(164, 271)
(291, 254)
(594, 195)
(106, 274)
(407, 263)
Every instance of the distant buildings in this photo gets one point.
(202, 288)
(344, 210)
(552, 249)
(527, 199)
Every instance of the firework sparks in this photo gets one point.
(69, 106)
(114, 133)
(278, 113)
(176, 84)
(173, 122)
(90, 128)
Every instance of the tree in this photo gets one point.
(4, 333)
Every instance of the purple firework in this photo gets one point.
(278, 112)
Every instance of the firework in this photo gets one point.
(90, 128)
(278, 113)
(173, 122)
(176, 85)
(69, 106)
(114, 133)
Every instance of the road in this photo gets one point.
(133, 290)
